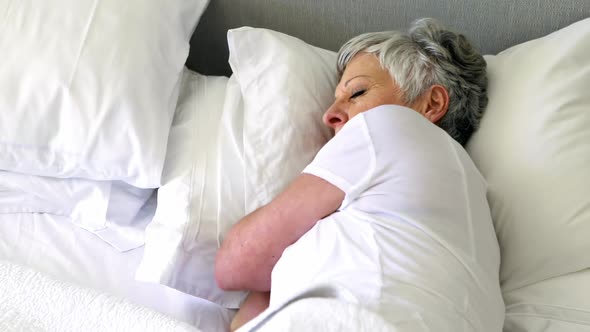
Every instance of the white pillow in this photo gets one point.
(533, 147)
(222, 166)
(286, 85)
(182, 239)
(88, 88)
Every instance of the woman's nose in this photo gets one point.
(335, 117)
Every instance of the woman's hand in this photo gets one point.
(253, 246)
(255, 303)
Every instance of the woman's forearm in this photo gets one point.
(252, 247)
(245, 260)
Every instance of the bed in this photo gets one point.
(123, 168)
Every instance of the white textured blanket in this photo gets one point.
(31, 301)
(325, 309)
(320, 314)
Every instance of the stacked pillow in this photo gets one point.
(89, 90)
(182, 239)
(87, 94)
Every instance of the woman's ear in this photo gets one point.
(435, 103)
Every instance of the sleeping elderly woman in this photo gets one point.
(392, 213)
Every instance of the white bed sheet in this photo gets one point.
(560, 304)
(55, 246)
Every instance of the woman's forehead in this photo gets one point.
(364, 64)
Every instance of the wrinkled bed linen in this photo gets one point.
(108, 209)
(550, 305)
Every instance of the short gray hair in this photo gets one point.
(430, 54)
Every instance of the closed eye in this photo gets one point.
(358, 94)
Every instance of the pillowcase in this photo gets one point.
(533, 147)
(85, 202)
(287, 85)
(182, 239)
(129, 211)
(227, 157)
(88, 88)
(108, 209)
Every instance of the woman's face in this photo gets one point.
(364, 85)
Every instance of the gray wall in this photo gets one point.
(492, 25)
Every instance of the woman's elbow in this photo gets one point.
(235, 273)
(224, 272)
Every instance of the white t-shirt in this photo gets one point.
(413, 239)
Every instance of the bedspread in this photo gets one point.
(31, 301)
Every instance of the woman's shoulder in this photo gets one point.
(403, 131)
(404, 141)
(401, 123)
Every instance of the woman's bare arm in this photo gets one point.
(254, 245)
(255, 303)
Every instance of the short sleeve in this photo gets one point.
(347, 161)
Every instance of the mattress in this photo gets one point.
(55, 246)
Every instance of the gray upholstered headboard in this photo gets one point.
(492, 25)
